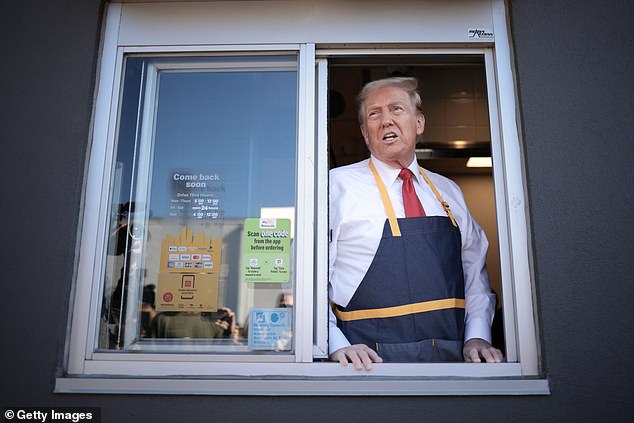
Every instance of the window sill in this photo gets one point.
(322, 379)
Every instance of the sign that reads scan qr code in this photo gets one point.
(266, 254)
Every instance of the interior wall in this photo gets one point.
(575, 87)
(479, 196)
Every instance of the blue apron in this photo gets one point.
(409, 306)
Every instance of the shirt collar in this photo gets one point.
(389, 174)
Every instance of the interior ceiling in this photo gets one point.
(443, 155)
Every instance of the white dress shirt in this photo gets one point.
(357, 216)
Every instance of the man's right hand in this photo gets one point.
(361, 356)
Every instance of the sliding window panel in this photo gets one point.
(201, 240)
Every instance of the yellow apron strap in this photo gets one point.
(444, 204)
(403, 310)
(389, 210)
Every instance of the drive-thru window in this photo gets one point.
(203, 259)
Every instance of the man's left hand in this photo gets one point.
(476, 349)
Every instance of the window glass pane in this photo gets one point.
(200, 252)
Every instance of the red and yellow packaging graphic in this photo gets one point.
(189, 272)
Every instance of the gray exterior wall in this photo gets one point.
(574, 62)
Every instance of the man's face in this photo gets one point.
(392, 124)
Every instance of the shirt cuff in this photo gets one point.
(336, 339)
(477, 328)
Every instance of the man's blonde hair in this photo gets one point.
(407, 84)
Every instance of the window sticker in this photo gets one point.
(194, 292)
(196, 196)
(199, 252)
(189, 281)
(480, 33)
(188, 277)
(266, 250)
(270, 329)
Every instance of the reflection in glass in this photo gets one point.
(203, 144)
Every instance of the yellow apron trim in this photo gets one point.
(444, 204)
(389, 210)
(391, 216)
(403, 310)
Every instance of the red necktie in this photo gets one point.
(413, 207)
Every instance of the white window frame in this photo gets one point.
(88, 371)
(89, 275)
